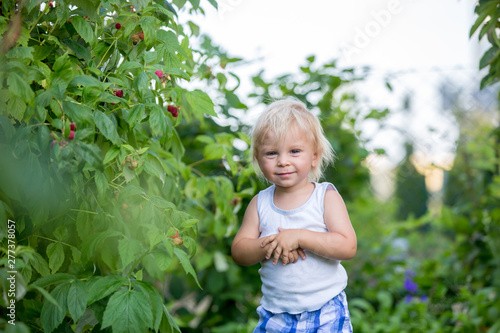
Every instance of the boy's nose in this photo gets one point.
(283, 161)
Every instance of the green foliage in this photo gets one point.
(93, 158)
(488, 12)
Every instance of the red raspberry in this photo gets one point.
(118, 26)
(72, 126)
(159, 73)
(118, 93)
(71, 135)
(173, 110)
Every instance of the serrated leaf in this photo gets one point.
(200, 102)
(55, 252)
(20, 87)
(86, 81)
(170, 320)
(51, 315)
(39, 264)
(83, 28)
(101, 183)
(77, 299)
(129, 249)
(136, 114)
(104, 286)
(106, 126)
(52, 279)
(156, 302)
(186, 265)
(111, 154)
(128, 311)
(23, 52)
(163, 259)
(157, 121)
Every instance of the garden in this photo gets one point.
(125, 173)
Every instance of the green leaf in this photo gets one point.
(91, 243)
(52, 279)
(55, 252)
(489, 56)
(128, 65)
(83, 28)
(186, 265)
(77, 299)
(89, 153)
(86, 81)
(39, 264)
(101, 183)
(80, 51)
(103, 286)
(46, 294)
(156, 302)
(21, 52)
(19, 86)
(51, 315)
(129, 249)
(200, 102)
(163, 259)
(16, 107)
(157, 121)
(111, 154)
(77, 112)
(106, 126)
(149, 25)
(128, 311)
(171, 321)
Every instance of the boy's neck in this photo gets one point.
(288, 198)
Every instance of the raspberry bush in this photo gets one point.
(93, 169)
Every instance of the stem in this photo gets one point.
(197, 162)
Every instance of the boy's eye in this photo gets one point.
(270, 153)
(295, 151)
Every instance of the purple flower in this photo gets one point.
(423, 298)
(410, 286)
(408, 298)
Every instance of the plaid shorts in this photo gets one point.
(332, 317)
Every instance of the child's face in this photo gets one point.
(287, 163)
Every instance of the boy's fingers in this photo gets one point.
(301, 253)
(277, 254)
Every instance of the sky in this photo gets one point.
(422, 41)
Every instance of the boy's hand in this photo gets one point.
(284, 244)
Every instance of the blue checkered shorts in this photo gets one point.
(332, 317)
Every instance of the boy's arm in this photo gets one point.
(246, 248)
(338, 243)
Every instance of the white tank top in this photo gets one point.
(307, 284)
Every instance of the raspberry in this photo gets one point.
(118, 26)
(72, 126)
(173, 110)
(178, 241)
(118, 93)
(135, 38)
(71, 135)
(176, 235)
(159, 73)
(141, 35)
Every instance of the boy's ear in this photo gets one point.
(315, 160)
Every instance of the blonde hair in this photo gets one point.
(278, 117)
